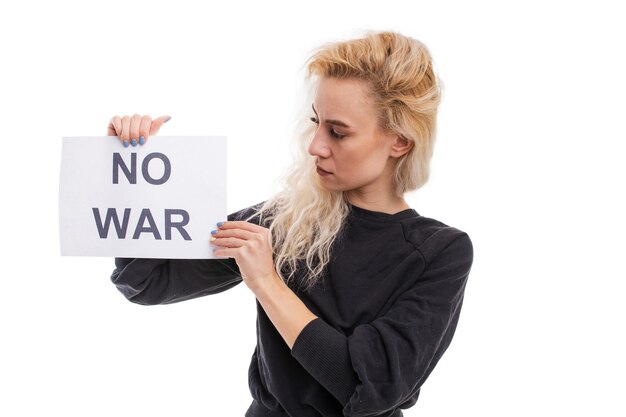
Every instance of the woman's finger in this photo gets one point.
(157, 123)
(125, 137)
(228, 242)
(115, 126)
(144, 129)
(238, 233)
(135, 123)
(224, 252)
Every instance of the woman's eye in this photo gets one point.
(331, 131)
(335, 134)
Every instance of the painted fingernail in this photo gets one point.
(168, 119)
(133, 142)
(213, 232)
(126, 143)
(213, 238)
(142, 140)
(220, 224)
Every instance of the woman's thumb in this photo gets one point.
(157, 123)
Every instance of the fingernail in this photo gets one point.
(142, 140)
(213, 232)
(213, 238)
(126, 143)
(168, 119)
(133, 142)
(220, 224)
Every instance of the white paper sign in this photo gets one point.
(158, 200)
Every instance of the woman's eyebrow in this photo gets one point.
(333, 122)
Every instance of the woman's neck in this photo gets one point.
(389, 205)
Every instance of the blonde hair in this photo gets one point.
(305, 219)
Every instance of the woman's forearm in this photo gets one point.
(286, 311)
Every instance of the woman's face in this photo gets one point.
(352, 153)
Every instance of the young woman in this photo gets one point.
(358, 296)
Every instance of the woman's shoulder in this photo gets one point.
(247, 214)
(431, 236)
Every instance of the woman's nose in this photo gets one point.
(318, 147)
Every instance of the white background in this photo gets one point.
(529, 161)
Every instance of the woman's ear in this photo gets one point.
(401, 145)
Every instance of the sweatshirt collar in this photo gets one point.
(362, 213)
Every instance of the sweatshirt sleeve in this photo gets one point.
(383, 364)
(166, 281)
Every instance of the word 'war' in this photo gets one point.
(121, 227)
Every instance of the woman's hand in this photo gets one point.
(250, 245)
(135, 129)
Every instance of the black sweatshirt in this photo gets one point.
(387, 310)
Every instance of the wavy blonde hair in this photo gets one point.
(305, 219)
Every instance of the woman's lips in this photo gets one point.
(322, 172)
